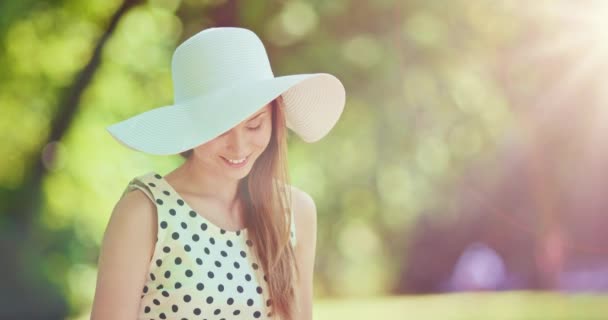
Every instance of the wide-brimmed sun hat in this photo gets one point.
(221, 76)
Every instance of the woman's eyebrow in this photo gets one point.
(259, 114)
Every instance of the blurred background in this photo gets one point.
(465, 180)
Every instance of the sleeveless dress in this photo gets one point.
(199, 270)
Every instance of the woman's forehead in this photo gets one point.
(258, 113)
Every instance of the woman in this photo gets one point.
(216, 237)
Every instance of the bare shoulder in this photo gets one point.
(135, 199)
(126, 249)
(305, 220)
(305, 216)
(134, 212)
(304, 206)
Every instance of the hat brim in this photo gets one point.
(313, 105)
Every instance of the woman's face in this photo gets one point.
(234, 152)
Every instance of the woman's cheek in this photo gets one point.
(262, 139)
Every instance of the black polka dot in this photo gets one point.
(258, 290)
(224, 254)
(156, 302)
(218, 264)
(172, 212)
(212, 240)
(237, 265)
(248, 277)
(187, 248)
(175, 235)
(147, 309)
(166, 192)
(159, 201)
(256, 314)
(160, 286)
(265, 278)
(151, 184)
(204, 226)
(210, 274)
(166, 249)
(174, 308)
(157, 176)
(230, 301)
(210, 299)
(222, 231)
(200, 286)
(229, 276)
(178, 260)
(236, 312)
(184, 225)
(145, 289)
(162, 316)
(250, 302)
(167, 274)
(268, 302)
(238, 232)
(217, 311)
(178, 285)
(163, 224)
(249, 242)
(188, 273)
(197, 311)
(229, 243)
(187, 298)
(254, 266)
(152, 276)
(195, 237)
(243, 254)
(220, 288)
(192, 214)
(165, 294)
(199, 261)
(207, 250)
(239, 289)
(180, 202)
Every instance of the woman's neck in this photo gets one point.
(198, 180)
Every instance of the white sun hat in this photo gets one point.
(221, 76)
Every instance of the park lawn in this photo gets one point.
(467, 306)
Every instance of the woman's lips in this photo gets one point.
(236, 165)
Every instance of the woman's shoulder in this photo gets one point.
(125, 253)
(301, 200)
(136, 204)
(133, 215)
(304, 215)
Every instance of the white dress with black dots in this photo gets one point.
(199, 270)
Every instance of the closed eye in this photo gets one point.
(255, 128)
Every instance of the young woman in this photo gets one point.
(224, 235)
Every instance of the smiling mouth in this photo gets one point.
(236, 162)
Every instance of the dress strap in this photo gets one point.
(138, 183)
(292, 228)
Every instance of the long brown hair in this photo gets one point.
(266, 196)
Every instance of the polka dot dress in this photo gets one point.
(199, 270)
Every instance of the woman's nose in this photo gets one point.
(236, 141)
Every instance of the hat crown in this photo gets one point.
(217, 58)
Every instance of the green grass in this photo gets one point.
(469, 306)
